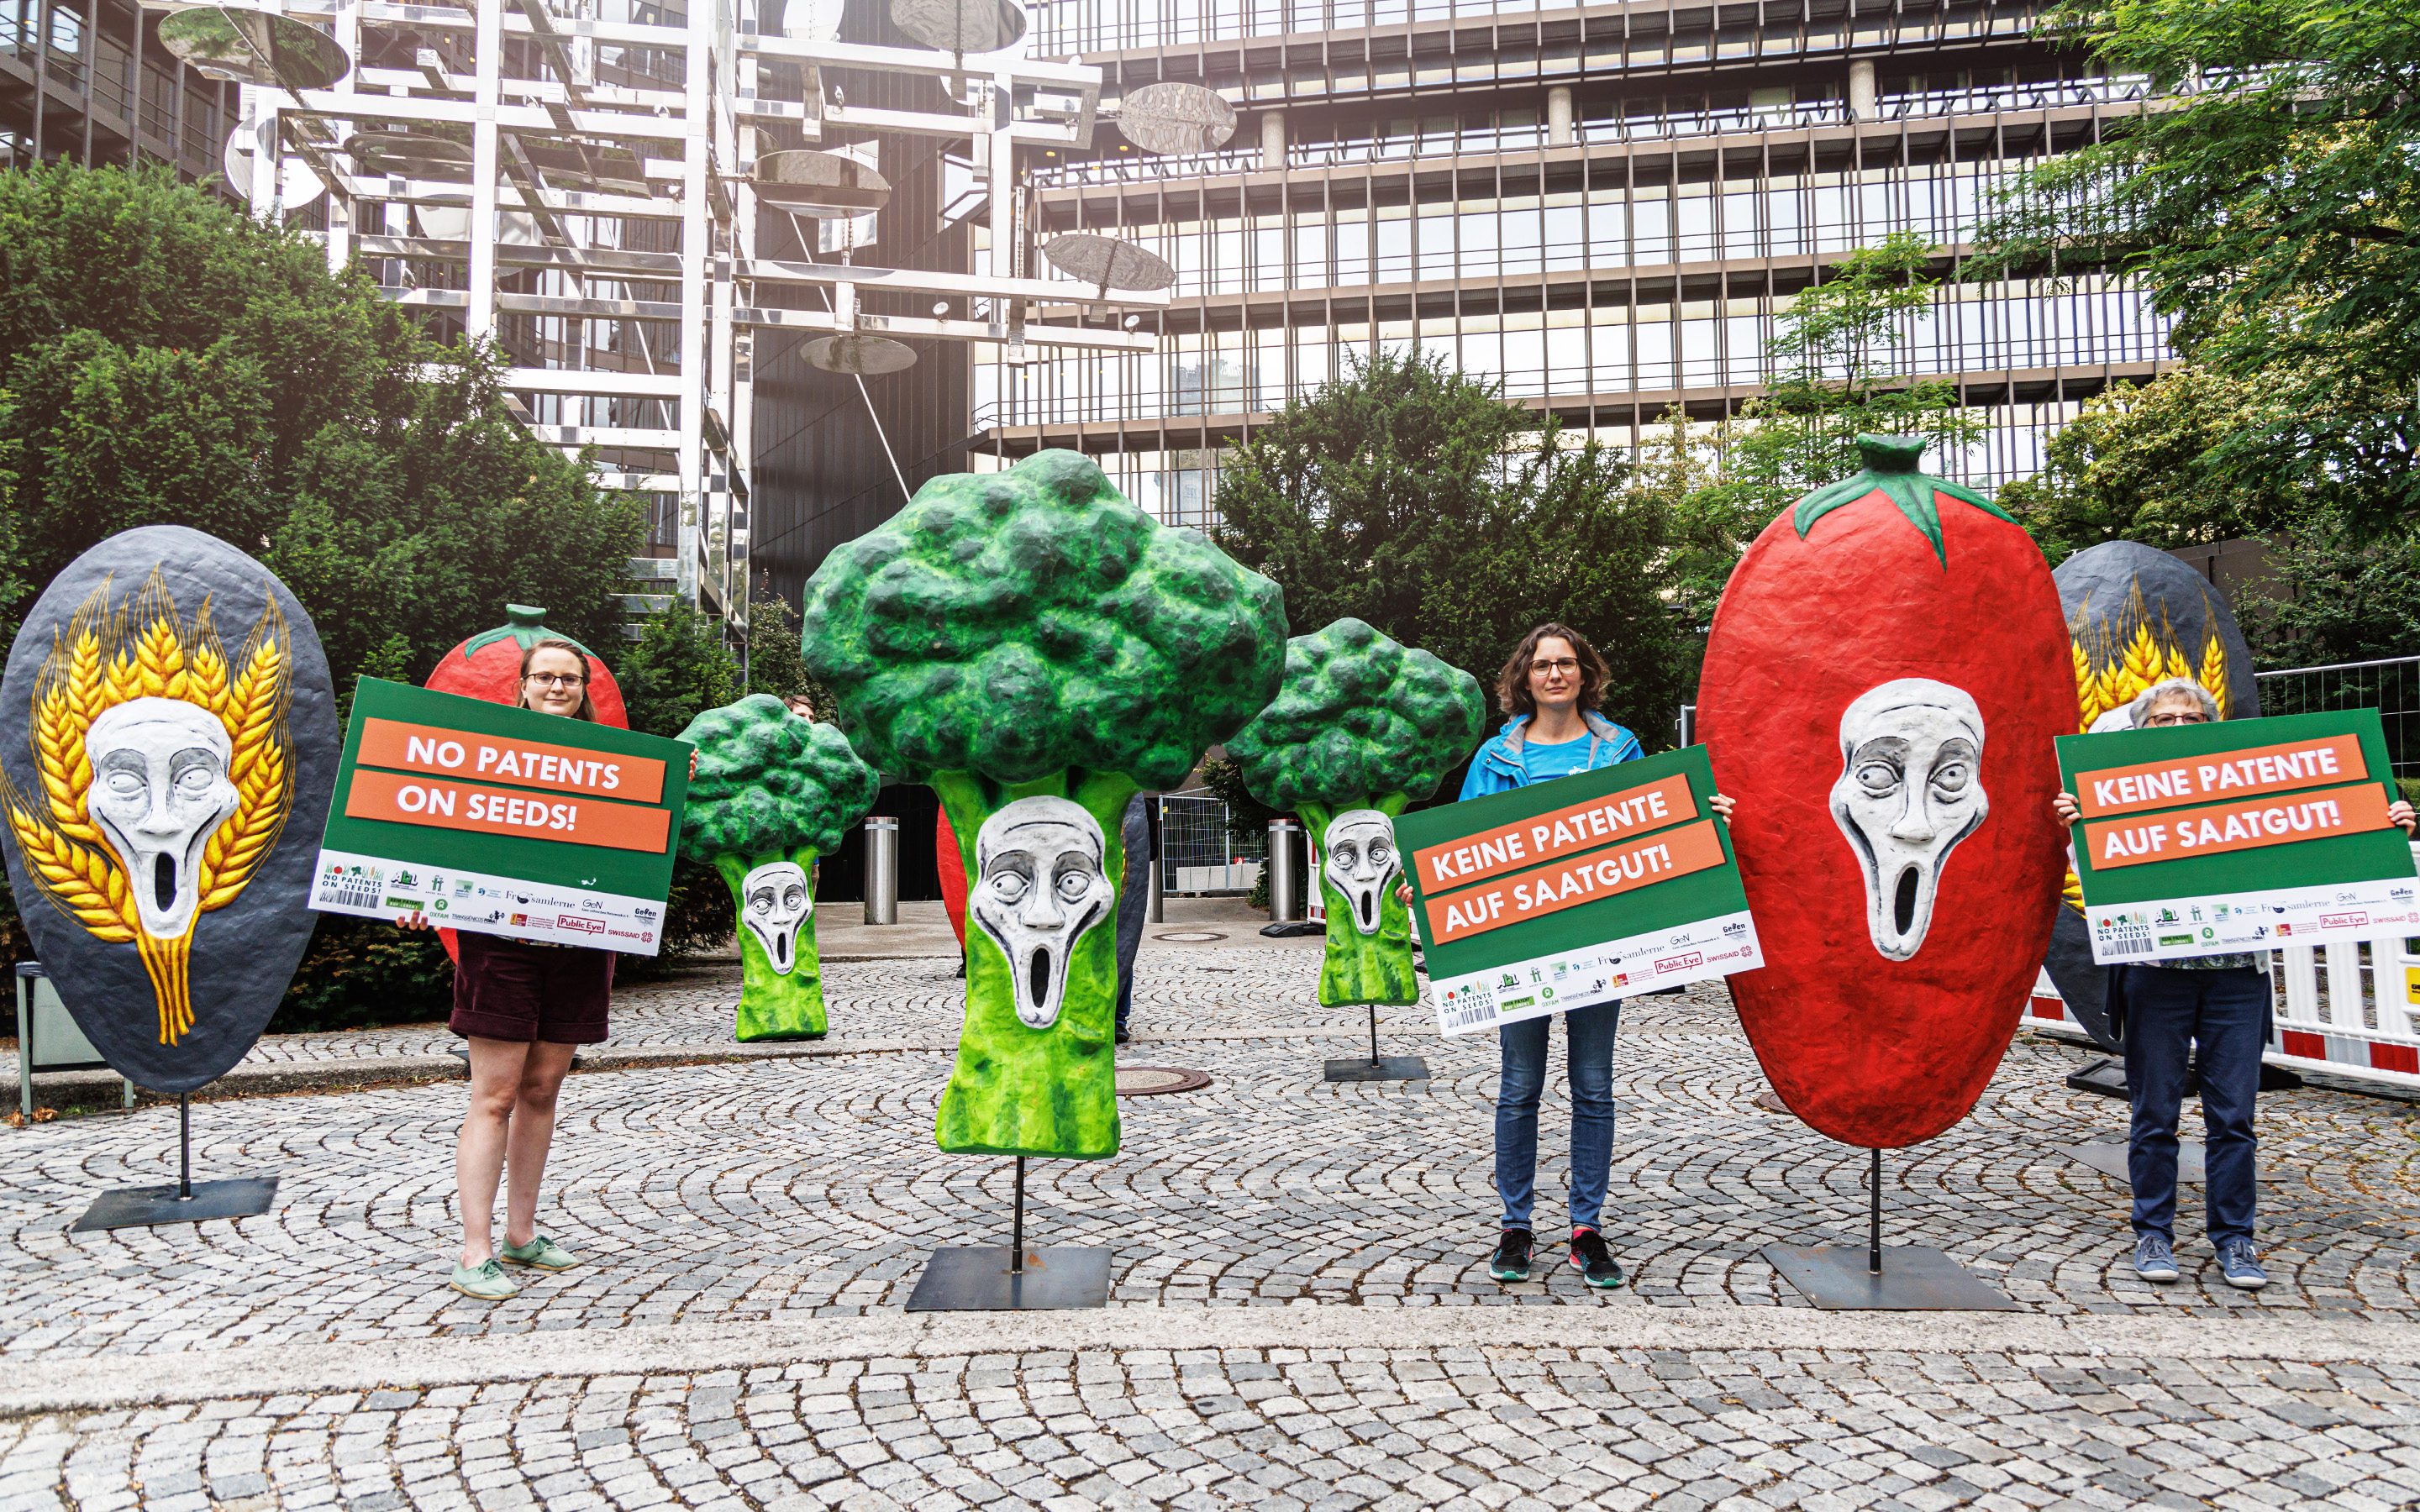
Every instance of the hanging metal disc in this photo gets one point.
(1109, 262)
(827, 186)
(409, 155)
(248, 46)
(960, 27)
(573, 163)
(297, 185)
(1172, 116)
(443, 222)
(811, 21)
(868, 355)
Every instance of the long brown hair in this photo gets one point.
(1513, 684)
(587, 709)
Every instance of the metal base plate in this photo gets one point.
(979, 1281)
(1914, 1280)
(2105, 1076)
(2108, 1157)
(1384, 1069)
(144, 1207)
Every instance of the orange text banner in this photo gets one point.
(1550, 889)
(410, 800)
(2243, 826)
(2237, 774)
(1547, 837)
(459, 753)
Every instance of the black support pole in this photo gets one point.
(1017, 1231)
(1373, 1034)
(184, 1147)
(1874, 1216)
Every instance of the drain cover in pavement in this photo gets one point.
(1151, 1081)
(1196, 936)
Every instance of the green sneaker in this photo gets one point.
(485, 1281)
(540, 1254)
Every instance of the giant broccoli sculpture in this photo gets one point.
(1362, 727)
(1037, 649)
(771, 794)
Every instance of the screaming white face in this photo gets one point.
(1911, 787)
(160, 790)
(1360, 846)
(773, 902)
(1039, 886)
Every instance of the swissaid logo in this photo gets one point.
(583, 926)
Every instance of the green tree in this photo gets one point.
(775, 665)
(1836, 358)
(677, 669)
(1417, 500)
(2136, 465)
(2269, 207)
(1031, 640)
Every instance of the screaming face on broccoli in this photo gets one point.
(771, 794)
(1037, 649)
(1362, 727)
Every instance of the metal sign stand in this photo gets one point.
(1901, 1278)
(188, 1201)
(990, 1280)
(1377, 1068)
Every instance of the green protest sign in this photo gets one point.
(2203, 839)
(1571, 892)
(502, 821)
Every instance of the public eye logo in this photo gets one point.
(585, 926)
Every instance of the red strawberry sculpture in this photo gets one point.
(488, 665)
(1885, 673)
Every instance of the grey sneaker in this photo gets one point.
(485, 1281)
(2153, 1259)
(2241, 1265)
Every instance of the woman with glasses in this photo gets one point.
(523, 1006)
(1549, 690)
(2203, 1016)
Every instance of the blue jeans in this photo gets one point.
(2169, 1011)
(1590, 1035)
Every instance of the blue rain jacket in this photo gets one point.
(1498, 768)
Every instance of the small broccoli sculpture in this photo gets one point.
(1039, 650)
(1362, 727)
(771, 794)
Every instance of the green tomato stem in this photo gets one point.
(774, 1004)
(1018, 1090)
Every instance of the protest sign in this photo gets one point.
(502, 821)
(2204, 840)
(1576, 891)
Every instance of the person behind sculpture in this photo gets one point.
(1550, 687)
(2205, 1016)
(523, 1006)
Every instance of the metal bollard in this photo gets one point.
(1157, 911)
(881, 870)
(1286, 871)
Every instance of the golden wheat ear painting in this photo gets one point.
(164, 795)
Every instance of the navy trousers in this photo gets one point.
(2172, 1014)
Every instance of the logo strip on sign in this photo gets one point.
(529, 763)
(2262, 769)
(1549, 889)
(2243, 826)
(403, 799)
(1566, 831)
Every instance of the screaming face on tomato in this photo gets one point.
(1885, 674)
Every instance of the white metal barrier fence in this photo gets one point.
(1198, 854)
(2351, 1009)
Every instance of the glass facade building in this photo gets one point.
(1604, 206)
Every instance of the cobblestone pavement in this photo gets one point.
(764, 1198)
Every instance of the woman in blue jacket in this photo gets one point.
(1550, 687)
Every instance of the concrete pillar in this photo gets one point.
(1861, 90)
(1272, 142)
(1558, 117)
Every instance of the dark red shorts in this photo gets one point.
(510, 990)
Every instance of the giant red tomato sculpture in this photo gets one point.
(488, 665)
(1885, 674)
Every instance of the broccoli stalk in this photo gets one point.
(1030, 635)
(1361, 723)
(772, 791)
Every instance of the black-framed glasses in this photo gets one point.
(555, 679)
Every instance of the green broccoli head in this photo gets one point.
(1020, 624)
(1359, 716)
(768, 783)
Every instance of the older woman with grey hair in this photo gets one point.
(2220, 1003)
